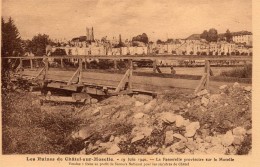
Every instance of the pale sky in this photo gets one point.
(157, 18)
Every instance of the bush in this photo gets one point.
(29, 130)
(245, 72)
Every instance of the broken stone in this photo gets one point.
(175, 107)
(168, 137)
(93, 101)
(249, 132)
(96, 111)
(215, 97)
(179, 136)
(227, 139)
(178, 146)
(179, 121)
(138, 103)
(143, 98)
(82, 152)
(152, 149)
(105, 145)
(36, 102)
(204, 101)
(187, 151)
(236, 85)
(191, 145)
(203, 92)
(82, 133)
(111, 138)
(137, 138)
(232, 150)
(113, 150)
(150, 105)
(218, 149)
(168, 117)
(138, 115)
(216, 140)
(191, 129)
(248, 88)
(238, 140)
(239, 131)
(146, 131)
(223, 87)
(117, 140)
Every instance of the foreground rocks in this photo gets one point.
(173, 123)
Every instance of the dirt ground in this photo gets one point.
(175, 122)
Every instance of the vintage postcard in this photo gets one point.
(129, 83)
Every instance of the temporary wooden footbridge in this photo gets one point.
(84, 83)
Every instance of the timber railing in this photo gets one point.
(126, 82)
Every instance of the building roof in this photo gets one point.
(241, 33)
(194, 37)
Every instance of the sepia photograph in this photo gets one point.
(126, 77)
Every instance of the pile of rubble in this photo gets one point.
(173, 123)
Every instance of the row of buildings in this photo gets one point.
(241, 44)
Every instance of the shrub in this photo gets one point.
(245, 72)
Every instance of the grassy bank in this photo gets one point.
(27, 129)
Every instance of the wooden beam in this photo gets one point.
(208, 73)
(123, 81)
(85, 63)
(154, 66)
(61, 63)
(80, 71)
(115, 64)
(73, 76)
(41, 71)
(31, 63)
(201, 83)
(130, 77)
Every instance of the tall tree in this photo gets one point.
(11, 40)
(11, 45)
(38, 44)
(228, 36)
(141, 38)
(212, 35)
(204, 35)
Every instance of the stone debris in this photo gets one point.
(191, 129)
(239, 131)
(152, 149)
(168, 137)
(236, 85)
(137, 138)
(139, 115)
(111, 139)
(168, 117)
(227, 139)
(238, 140)
(202, 124)
(179, 136)
(203, 92)
(215, 97)
(96, 111)
(117, 140)
(204, 101)
(150, 105)
(248, 88)
(138, 103)
(179, 121)
(223, 87)
(113, 150)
